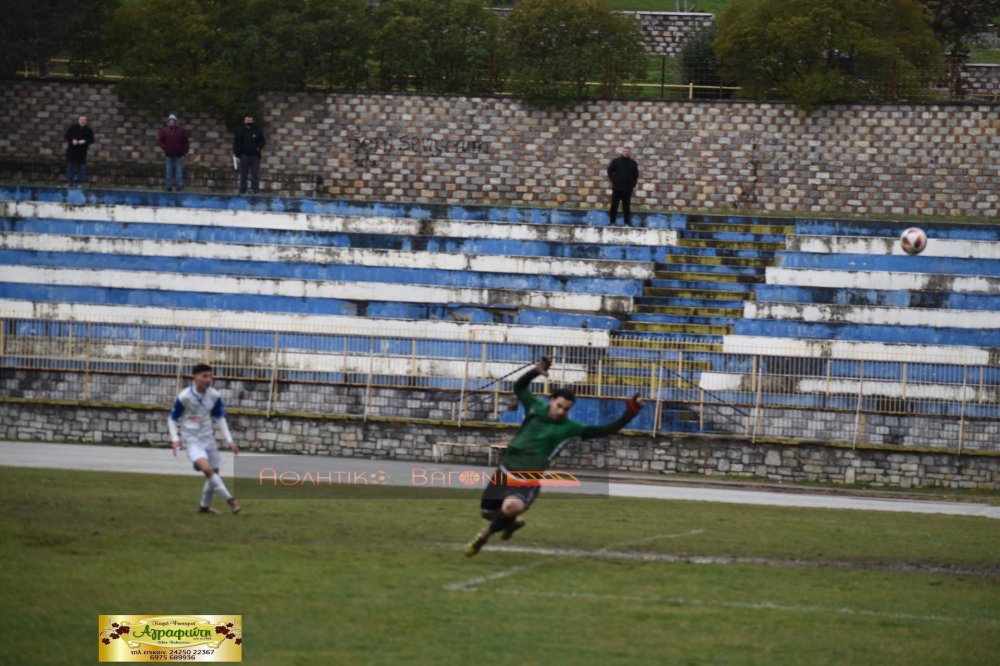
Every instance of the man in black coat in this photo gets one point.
(623, 173)
(246, 147)
(78, 139)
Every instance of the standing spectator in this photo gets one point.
(246, 147)
(623, 173)
(173, 139)
(78, 139)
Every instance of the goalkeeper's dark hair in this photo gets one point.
(569, 394)
(200, 368)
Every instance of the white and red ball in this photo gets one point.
(913, 240)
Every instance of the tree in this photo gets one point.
(954, 23)
(825, 51)
(219, 55)
(437, 45)
(34, 31)
(555, 47)
(697, 60)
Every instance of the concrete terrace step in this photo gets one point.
(687, 292)
(631, 364)
(697, 303)
(683, 319)
(736, 262)
(284, 271)
(361, 241)
(716, 251)
(901, 264)
(327, 256)
(687, 268)
(307, 289)
(664, 342)
(876, 297)
(681, 310)
(731, 236)
(729, 245)
(698, 329)
(692, 276)
(740, 227)
(867, 332)
(893, 229)
(656, 287)
(564, 233)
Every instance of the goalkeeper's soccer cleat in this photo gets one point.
(234, 505)
(476, 544)
(207, 509)
(509, 532)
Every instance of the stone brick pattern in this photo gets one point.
(982, 79)
(901, 159)
(877, 429)
(378, 440)
(664, 33)
(357, 401)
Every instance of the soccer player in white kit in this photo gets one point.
(192, 427)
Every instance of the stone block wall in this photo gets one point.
(379, 440)
(982, 79)
(664, 33)
(422, 405)
(890, 159)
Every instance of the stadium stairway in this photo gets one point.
(693, 300)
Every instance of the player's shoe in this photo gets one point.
(234, 505)
(476, 544)
(509, 532)
(207, 509)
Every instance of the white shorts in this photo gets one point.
(197, 451)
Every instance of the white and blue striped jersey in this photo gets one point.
(192, 418)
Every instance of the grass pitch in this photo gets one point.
(383, 581)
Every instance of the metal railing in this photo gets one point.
(924, 401)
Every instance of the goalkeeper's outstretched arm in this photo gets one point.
(521, 389)
(632, 408)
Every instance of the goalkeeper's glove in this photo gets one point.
(634, 404)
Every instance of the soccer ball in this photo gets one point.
(913, 240)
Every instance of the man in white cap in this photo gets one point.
(173, 139)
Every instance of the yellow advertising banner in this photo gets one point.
(167, 638)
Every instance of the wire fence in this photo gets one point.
(924, 401)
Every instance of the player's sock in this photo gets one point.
(501, 522)
(513, 527)
(207, 494)
(220, 487)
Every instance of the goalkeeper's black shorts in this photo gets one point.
(502, 485)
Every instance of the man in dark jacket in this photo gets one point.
(173, 139)
(246, 147)
(78, 139)
(623, 173)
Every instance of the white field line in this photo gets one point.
(667, 558)
(471, 584)
(744, 605)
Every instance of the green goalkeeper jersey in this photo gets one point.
(540, 439)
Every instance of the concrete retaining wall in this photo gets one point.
(887, 159)
(638, 453)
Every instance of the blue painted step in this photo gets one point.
(323, 272)
(893, 263)
(876, 297)
(99, 228)
(867, 332)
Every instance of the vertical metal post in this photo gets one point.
(600, 377)
(961, 423)
(701, 410)
(663, 73)
(180, 359)
(756, 404)
(138, 348)
(657, 415)
(465, 380)
(86, 365)
(857, 415)
(368, 385)
(903, 390)
(274, 374)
